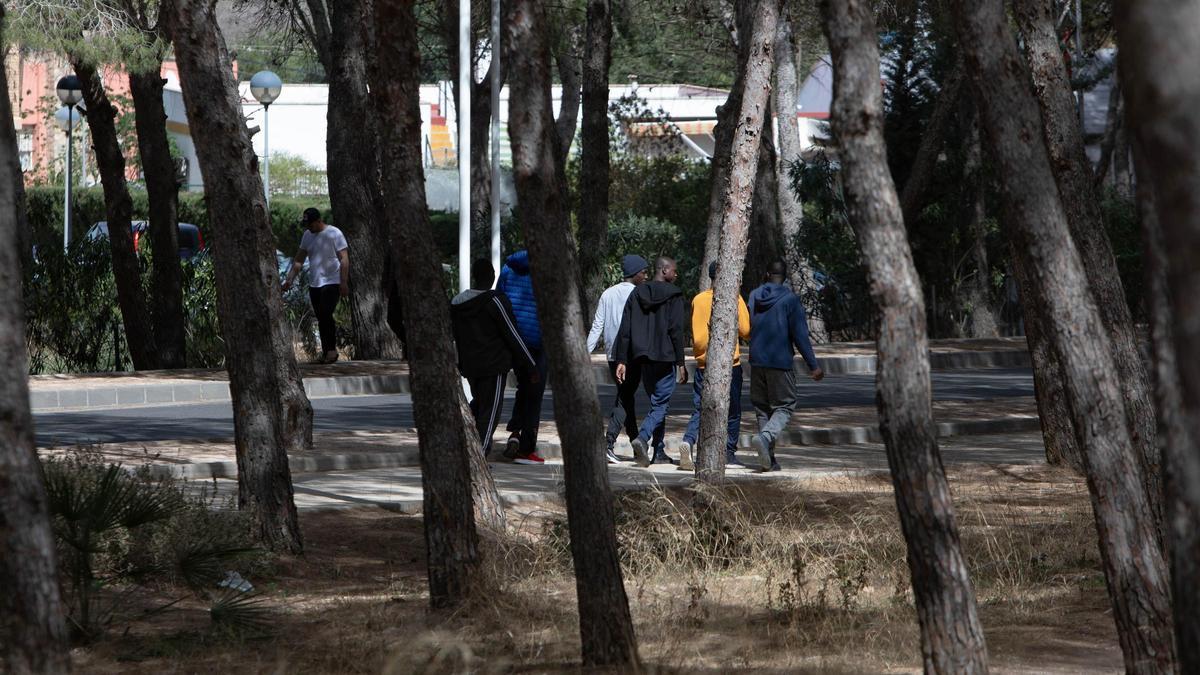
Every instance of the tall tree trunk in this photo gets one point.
(1155, 38)
(605, 625)
(568, 109)
(271, 413)
(118, 207)
(162, 193)
(763, 246)
(1181, 470)
(744, 164)
(32, 630)
(951, 635)
(439, 407)
(1081, 201)
(979, 294)
(916, 187)
(723, 135)
(1133, 561)
(594, 162)
(354, 180)
(1114, 120)
(784, 97)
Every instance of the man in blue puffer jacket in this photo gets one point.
(778, 325)
(516, 283)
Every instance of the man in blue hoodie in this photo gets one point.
(778, 325)
(516, 283)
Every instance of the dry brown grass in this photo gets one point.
(774, 577)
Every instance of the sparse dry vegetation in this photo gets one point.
(772, 576)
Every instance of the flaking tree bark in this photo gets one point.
(1133, 561)
(118, 207)
(1154, 38)
(162, 195)
(1081, 202)
(951, 636)
(605, 625)
(439, 407)
(271, 413)
(784, 97)
(33, 632)
(743, 165)
(594, 148)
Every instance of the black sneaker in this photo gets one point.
(512, 448)
(661, 457)
(732, 462)
(774, 464)
(639, 453)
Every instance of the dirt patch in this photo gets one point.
(806, 576)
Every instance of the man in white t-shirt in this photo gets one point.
(604, 328)
(328, 275)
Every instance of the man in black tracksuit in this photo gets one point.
(651, 336)
(485, 334)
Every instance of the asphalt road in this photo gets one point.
(199, 421)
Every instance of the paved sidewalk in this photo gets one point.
(399, 489)
(106, 390)
(346, 450)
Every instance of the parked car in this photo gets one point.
(191, 241)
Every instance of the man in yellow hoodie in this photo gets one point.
(701, 316)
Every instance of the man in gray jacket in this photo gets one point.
(604, 327)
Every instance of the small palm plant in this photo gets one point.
(120, 529)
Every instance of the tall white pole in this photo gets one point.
(67, 191)
(267, 156)
(463, 113)
(495, 205)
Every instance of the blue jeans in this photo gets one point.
(658, 379)
(735, 409)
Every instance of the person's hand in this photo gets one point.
(287, 283)
(620, 374)
(681, 375)
(817, 374)
(344, 289)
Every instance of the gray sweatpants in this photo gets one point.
(773, 394)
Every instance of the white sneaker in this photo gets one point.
(640, 454)
(685, 456)
(611, 457)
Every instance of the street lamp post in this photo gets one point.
(265, 87)
(70, 92)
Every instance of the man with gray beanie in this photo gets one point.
(604, 327)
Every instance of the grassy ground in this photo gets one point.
(781, 577)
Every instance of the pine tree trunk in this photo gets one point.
(605, 625)
(1133, 561)
(1049, 380)
(271, 413)
(916, 187)
(1081, 201)
(784, 98)
(1155, 38)
(353, 179)
(951, 636)
(118, 207)
(979, 294)
(1181, 470)
(734, 228)
(568, 109)
(439, 407)
(763, 246)
(162, 193)
(33, 633)
(594, 162)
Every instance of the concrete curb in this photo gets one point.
(408, 455)
(142, 394)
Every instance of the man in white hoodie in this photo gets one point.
(604, 327)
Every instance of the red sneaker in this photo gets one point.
(531, 458)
